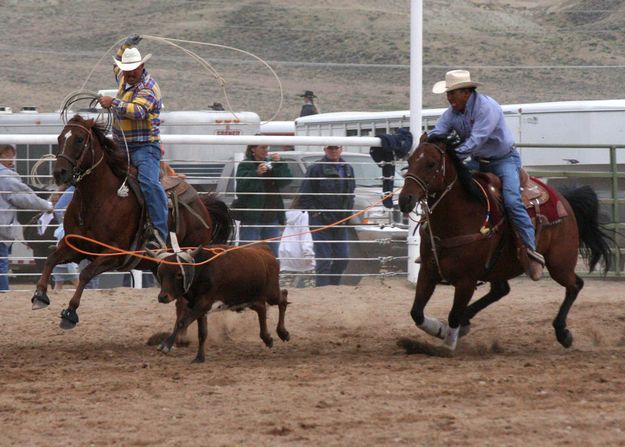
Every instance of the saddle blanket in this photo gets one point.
(551, 211)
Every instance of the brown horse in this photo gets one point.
(453, 249)
(98, 168)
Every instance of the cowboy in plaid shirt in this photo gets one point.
(136, 122)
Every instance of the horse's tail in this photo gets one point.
(593, 239)
(222, 220)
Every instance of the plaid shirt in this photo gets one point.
(136, 108)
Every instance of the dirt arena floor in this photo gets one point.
(341, 380)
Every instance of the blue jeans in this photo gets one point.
(4, 266)
(259, 232)
(329, 244)
(507, 169)
(147, 158)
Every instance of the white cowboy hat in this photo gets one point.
(131, 59)
(454, 80)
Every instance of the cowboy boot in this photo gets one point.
(535, 265)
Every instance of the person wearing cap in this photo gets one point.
(309, 107)
(479, 122)
(136, 125)
(327, 193)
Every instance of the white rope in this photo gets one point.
(33, 171)
(202, 62)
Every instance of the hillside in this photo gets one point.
(353, 54)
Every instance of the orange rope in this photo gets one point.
(217, 251)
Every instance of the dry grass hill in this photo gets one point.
(353, 54)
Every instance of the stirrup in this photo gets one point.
(155, 242)
(153, 245)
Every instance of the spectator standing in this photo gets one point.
(328, 195)
(309, 107)
(14, 194)
(259, 178)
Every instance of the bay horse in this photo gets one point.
(90, 160)
(458, 248)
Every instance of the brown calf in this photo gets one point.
(241, 278)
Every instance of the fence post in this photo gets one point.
(137, 279)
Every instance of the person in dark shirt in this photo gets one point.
(328, 195)
(259, 179)
(309, 107)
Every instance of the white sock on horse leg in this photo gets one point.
(434, 327)
(452, 338)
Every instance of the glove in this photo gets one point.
(133, 40)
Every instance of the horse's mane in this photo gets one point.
(465, 178)
(116, 159)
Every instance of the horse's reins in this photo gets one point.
(79, 174)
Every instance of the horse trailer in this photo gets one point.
(568, 122)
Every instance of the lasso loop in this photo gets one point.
(201, 61)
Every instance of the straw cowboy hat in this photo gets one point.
(131, 59)
(454, 80)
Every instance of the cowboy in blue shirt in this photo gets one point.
(479, 121)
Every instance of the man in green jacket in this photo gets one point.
(259, 178)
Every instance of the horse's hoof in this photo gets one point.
(464, 330)
(69, 319)
(284, 335)
(198, 359)
(40, 300)
(268, 342)
(565, 338)
(165, 348)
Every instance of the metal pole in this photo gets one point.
(416, 104)
(416, 69)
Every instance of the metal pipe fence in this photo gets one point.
(377, 255)
(604, 178)
(378, 248)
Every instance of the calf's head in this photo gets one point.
(176, 279)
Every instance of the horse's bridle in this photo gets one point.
(425, 186)
(428, 210)
(79, 174)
